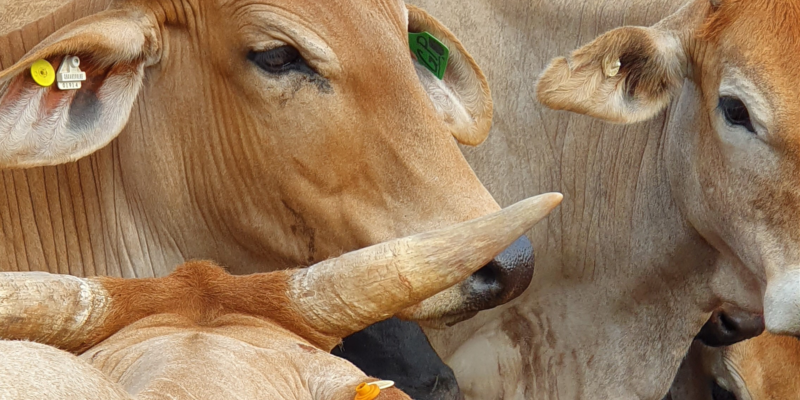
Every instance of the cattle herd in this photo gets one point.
(288, 199)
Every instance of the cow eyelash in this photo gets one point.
(280, 60)
(735, 112)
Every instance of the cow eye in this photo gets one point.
(279, 60)
(735, 112)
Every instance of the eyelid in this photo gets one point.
(266, 25)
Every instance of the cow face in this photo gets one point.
(269, 133)
(731, 143)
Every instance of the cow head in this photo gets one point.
(731, 143)
(273, 132)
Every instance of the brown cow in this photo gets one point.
(260, 134)
(762, 368)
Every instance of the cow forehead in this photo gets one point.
(761, 38)
(329, 17)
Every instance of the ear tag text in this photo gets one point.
(430, 52)
(69, 75)
(43, 73)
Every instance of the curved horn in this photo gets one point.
(348, 293)
(59, 310)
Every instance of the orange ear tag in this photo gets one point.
(366, 391)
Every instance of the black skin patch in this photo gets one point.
(399, 351)
(84, 111)
(718, 393)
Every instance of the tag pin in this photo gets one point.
(69, 76)
(382, 384)
(611, 68)
(43, 73)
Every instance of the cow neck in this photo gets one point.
(620, 277)
(78, 218)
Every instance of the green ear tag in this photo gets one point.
(430, 52)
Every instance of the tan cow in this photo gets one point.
(260, 134)
(664, 219)
(202, 333)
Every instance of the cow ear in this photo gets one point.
(462, 97)
(627, 75)
(44, 125)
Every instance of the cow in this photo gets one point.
(762, 368)
(202, 333)
(685, 202)
(259, 134)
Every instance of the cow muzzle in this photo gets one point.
(729, 325)
(782, 304)
(498, 282)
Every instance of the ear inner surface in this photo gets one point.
(626, 75)
(48, 126)
(463, 96)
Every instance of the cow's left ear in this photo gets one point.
(462, 97)
(42, 124)
(626, 75)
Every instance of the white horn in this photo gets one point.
(348, 293)
(58, 310)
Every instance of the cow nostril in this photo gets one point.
(504, 278)
(728, 325)
(485, 277)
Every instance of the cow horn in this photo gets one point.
(348, 293)
(52, 309)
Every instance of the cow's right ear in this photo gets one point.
(43, 125)
(627, 75)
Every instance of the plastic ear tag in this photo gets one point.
(430, 52)
(43, 73)
(365, 391)
(382, 384)
(69, 76)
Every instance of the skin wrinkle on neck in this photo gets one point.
(59, 231)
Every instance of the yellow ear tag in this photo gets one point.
(367, 392)
(43, 73)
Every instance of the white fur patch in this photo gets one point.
(782, 304)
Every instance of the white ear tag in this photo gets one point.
(69, 76)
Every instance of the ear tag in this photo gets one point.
(69, 76)
(43, 73)
(366, 391)
(430, 52)
(611, 68)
